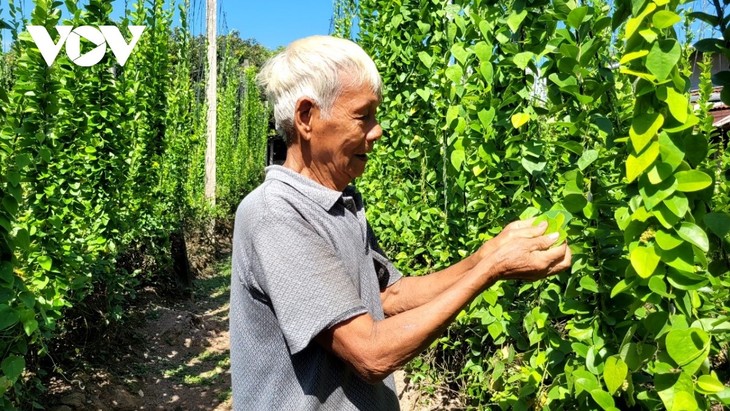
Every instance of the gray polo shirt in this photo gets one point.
(304, 259)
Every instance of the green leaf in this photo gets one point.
(615, 371)
(694, 234)
(709, 384)
(459, 53)
(666, 240)
(45, 262)
(665, 18)
(644, 127)
(710, 19)
(678, 204)
(719, 224)
(644, 260)
(577, 16)
(13, 366)
(454, 73)
(637, 165)
(588, 157)
(515, 19)
(688, 348)
(634, 22)
(426, 59)
(663, 57)
(622, 286)
(633, 56)
(658, 286)
(519, 119)
(457, 158)
(483, 51)
(676, 391)
(8, 317)
(678, 104)
(603, 399)
(692, 180)
(522, 59)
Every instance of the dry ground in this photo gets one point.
(175, 356)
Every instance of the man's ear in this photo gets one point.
(303, 113)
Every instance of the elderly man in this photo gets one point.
(319, 317)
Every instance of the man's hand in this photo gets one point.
(522, 252)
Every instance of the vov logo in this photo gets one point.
(71, 36)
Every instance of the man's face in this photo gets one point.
(340, 143)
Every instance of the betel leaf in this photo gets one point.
(663, 57)
(644, 260)
(719, 224)
(665, 18)
(459, 53)
(692, 180)
(678, 104)
(603, 399)
(678, 204)
(454, 73)
(577, 16)
(426, 59)
(615, 371)
(588, 157)
(667, 240)
(45, 262)
(8, 316)
(688, 348)
(13, 366)
(523, 59)
(519, 119)
(676, 391)
(635, 165)
(694, 234)
(635, 22)
(515, 20)
(633, 56)
(643, 128)
(709, 384)
(483, 51)
(457, 158)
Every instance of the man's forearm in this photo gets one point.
(411, 292)
(377, 348)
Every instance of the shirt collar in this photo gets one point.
(325, 197)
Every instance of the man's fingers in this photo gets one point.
(560, 258)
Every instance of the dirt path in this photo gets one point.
(177, 358)
(173, 356)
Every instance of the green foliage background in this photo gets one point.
(100, 165)
(495, 111)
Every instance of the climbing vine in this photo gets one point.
(499, 111)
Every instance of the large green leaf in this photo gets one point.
(13, 366)
(688, 348)
(615, 371)
(665, 18)
(644, 260)
(635, 165)
(644, 127)
(719, 224)
(663, 57)
(692, 180)
(694, 234)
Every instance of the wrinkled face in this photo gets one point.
(340, 143)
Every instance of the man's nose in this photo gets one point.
(375, 133)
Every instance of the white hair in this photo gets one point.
(311, 67)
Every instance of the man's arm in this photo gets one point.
(411, 292)
(374, 349)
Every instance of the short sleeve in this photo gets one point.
(304, 279)
(384, 268)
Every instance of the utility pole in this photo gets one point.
(211, 94)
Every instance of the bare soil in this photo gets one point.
(173, 354)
